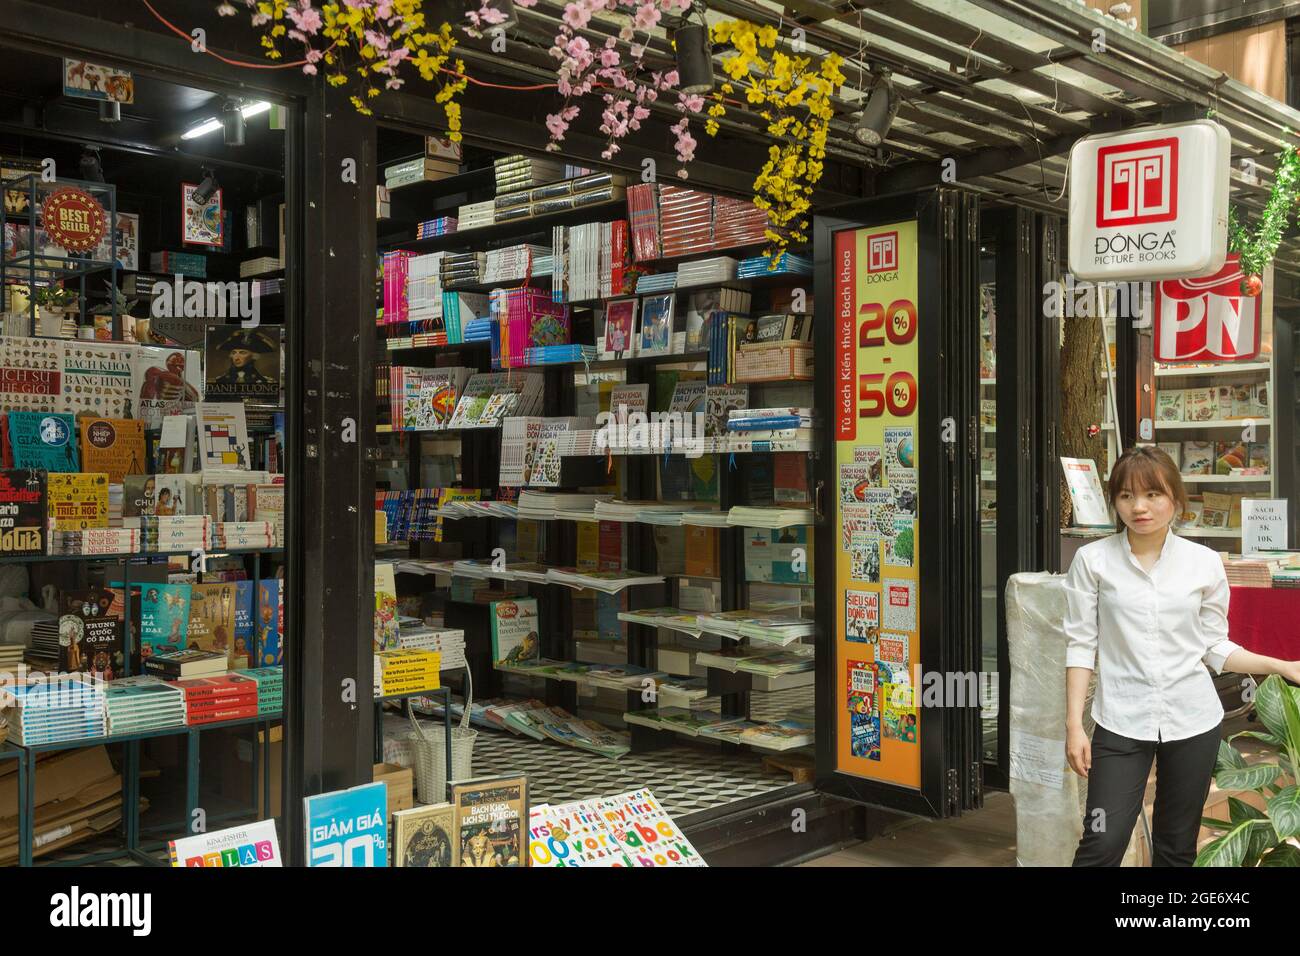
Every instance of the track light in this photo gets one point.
(878, 115)
(92, 168)
(232, 124)
(207, 187)
(212, 124)
(110, 111)
(694, 58)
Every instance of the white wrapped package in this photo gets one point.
(1050, 798)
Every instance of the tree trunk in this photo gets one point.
(1082, 391)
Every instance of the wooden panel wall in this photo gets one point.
(1256, 57)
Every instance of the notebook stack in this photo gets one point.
(406, 672)
(462, 268)
(70, 707)
(175, 532)
(706, 272)
(442, 226)
(270, 689)
(210, 700)
(559, 354)
(424, 288)
(514, 173)
(134, 705)
(738, 222)
(96, 541)
(744, 516)
(186, 664)
(475, 215)
(449, 642)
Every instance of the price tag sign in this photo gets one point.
(1263, 525)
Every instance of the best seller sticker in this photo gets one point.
(74, 219)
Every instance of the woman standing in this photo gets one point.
(1154, 607)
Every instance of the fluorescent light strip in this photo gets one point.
(214, 124)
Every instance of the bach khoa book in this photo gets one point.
(347, 827)
(425, 836)
(46, 440)
(23, 512)
(491, 815)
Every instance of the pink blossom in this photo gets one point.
(492, 15)
(670, 80)
(647, 16)
(526, 3)
(639, 113)
(609, 57)
(626, 33)
(556, 125)
(309, 69)
(637, 51)
(314, 56)
(305, 17)
(576, 15)
(692, 102)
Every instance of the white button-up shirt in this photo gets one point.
(1155, 632)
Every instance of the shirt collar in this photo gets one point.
(1128, 548)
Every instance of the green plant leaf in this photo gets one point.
(1247, 778)
(1284, 810)
(1214, 824)
(1263, 735)
(1229, 849)
(1291, 710)
(1239, 810)
(1283, 854)
(1269, 706)
(1229, 758)
(1262, 837)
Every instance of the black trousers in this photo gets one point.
(1117, 783)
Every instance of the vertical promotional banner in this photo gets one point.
(877, 639)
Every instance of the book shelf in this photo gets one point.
(568, 389)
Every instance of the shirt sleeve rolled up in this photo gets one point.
(1081, 615)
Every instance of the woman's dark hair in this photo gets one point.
(1146, 468)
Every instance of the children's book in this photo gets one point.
(44, 440)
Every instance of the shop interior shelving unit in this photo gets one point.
(479, 456)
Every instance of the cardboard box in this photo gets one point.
(401, 786)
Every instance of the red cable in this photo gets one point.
(250, 66)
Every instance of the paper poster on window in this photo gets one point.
(878, 473)
(862, 687)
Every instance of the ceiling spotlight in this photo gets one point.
(92, 169)
(110, 111)
(207, 187)
(232, 124)
(878, 115)
(212, 124)
(694, 58)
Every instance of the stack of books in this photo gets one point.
(713, 271)
(787, 263)
(245, 535)
(95, 541)
(768, 429)
(449, 642)
(186, 664)
(11, 656)
(248, 268)
(656, 282)
(270, 689)
(70, 707)
(760, 662)
(475, 215)
(778, 735)
(210, 700)
(424, 301)
(544, 505)
(517, 172)
(45, 639)
(175, 532)
(1263, 569)
(745, 516)
(461, 268)
(490, 397)
(406, 671)
(516, 263)
(442, 226)
(670, 617)
(115, 497)
(608, 582)
(559, 354)
(133, 705)
(422, 169)
(706, 519)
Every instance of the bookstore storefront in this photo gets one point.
(659, 532)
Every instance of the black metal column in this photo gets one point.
(330, 717)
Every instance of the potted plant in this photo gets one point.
(55, 304)
(1253, 836)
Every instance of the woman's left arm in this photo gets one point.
(1221, 653)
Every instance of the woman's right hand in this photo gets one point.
(1078, 750)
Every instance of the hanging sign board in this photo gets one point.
(877, 580)
(1263, 525)
(1206, 319)
(1150, 203)
(73, 219)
